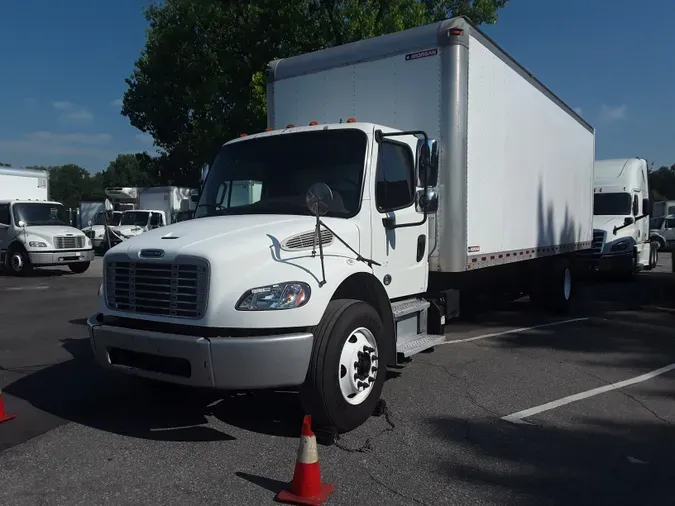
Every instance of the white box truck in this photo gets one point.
(34, 231)
(370, 226)
(622, 243)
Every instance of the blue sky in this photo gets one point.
(64, 75)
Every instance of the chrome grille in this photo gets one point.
(598, 241)
(69, 242)
(157, 288)
(307, 240)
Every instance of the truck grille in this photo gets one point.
(157, 288)
(69, 242)
(598, 241)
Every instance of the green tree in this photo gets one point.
(199, 80)
(68, 184)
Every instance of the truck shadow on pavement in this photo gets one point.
(79, 391)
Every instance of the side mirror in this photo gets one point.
(21, 223)
(194, 198)
(427, 200)
(628, 221)
(428, 162)
(647, 207)
(204, 173)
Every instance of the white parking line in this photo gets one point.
(513, 331)
(518, 417)
(22, 288)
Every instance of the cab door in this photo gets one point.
(402, 251)
(5, 228)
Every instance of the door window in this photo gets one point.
(394, 182)
(156, 220)
(4, 214)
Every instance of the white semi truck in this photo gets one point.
(389, 147)
(34, 231)
(622, 243)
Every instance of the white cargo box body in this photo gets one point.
(23, 184)
(516, 163)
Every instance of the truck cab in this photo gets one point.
(37, 234)
(137, 221)
(95, 228)
(621, 210)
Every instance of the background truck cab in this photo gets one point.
(621, 208)
(38, 234)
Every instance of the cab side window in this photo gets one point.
(156, 220)
(394, 181)
(4, 214)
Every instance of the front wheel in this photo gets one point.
(18, 261)
(344, 380)
(79, 267)
(555, 287)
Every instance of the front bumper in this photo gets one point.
(226, 363)
(63, 257)
(610, 262)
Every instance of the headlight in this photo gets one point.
(278, 296)
(100, 290)
(621, 245)
(37, 244)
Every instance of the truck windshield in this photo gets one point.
(611, 204)
(136, 218)
(656, 223)
(39, 213)
(115, 219)
(270, 175)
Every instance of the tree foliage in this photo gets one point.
(662, 183)
(70, 184)
(199, 80)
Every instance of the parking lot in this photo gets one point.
(490, 417)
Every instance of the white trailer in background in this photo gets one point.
(24, 184)
(367, 227)
(34, 231)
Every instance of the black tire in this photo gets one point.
(654, 248)
(17, 261)
(556, 287)
(320, 394)
(79, 267)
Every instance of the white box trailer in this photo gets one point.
(170, 199)
(516, 162)
(24, 184)
(463, 175)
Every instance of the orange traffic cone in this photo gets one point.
(306, 487)
(4, 417)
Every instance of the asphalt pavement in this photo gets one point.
(517, 408)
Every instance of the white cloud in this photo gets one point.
(62, 105)
(116, 103)
(608, 113)
(73, 113)
(145, 138)
(578, 110)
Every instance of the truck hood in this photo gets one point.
(48, 232)
(248, 238)
(607, 223)
(128, 230)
